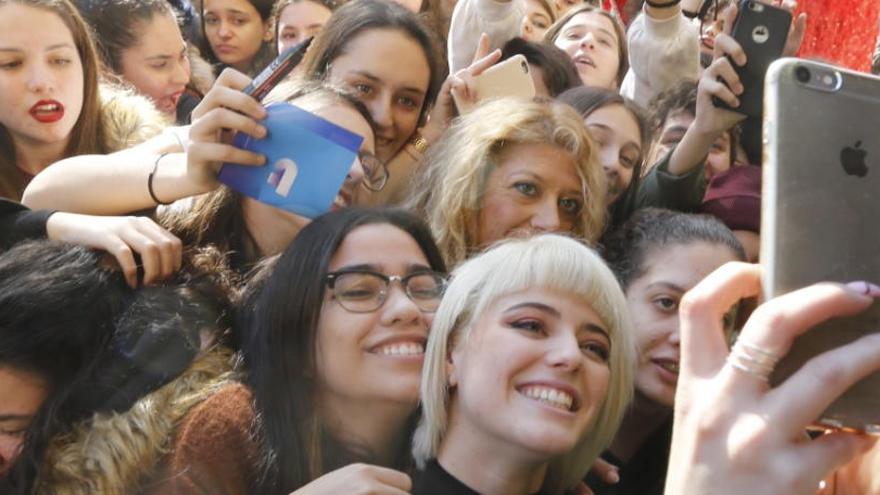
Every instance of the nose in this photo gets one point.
(400, 310)
(356, 173)
(565, 352)
(9, 449)
(39, 80)
(588, 41)
(181, 72)
(545, 218)
(224, 30)
(526, 26)
(380, 110)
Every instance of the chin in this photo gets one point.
(549, 442)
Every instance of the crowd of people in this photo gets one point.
(555, 295)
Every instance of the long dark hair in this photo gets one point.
(88, 134)
(587, 100)
(278, 322)
(116, 24)
(362, 15)
(57, 310)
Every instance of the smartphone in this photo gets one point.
(762, 31)
(511, 77)
(276, 71)
(821, 177)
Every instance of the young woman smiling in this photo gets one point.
(337, 324)
(528, 371)
(50, 107)
(658, 255)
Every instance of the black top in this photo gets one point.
(18, 223)
(435, 480)
(645, 473)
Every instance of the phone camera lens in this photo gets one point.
(802, 74)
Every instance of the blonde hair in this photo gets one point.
(548, 261)
(449, 193)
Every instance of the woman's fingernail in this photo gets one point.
(865, 288)
(613, 477)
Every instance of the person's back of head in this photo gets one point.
(57, 310)
(557, 70)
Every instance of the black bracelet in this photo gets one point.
(658, 5)
(690, 14)
(150, 182)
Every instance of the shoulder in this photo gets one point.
(128, 118)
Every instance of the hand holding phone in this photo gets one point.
(508, 78)
(761, 31)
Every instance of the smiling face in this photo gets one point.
(300, 20)
(531, 374)
(21, 395)
(371, 65)
(590, 39)
(616, 131)
(235, 31)
(652, 300)
(536, 21)
(41, 77)
(158, 66)
(535, 188)
(375, 357)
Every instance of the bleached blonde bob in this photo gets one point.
(448, 193)
(550, 261)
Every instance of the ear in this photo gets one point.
(453, 364)
(269, 32)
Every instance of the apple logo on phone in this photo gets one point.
(853, 160)
(761, 34)
(283, 175)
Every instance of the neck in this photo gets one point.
(378, 427)
(642, 419)
(487, 464)
(272, 228)
(34, 158)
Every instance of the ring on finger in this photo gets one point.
(753, 360)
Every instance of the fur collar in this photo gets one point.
(118, 453)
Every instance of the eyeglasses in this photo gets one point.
(375, 171)
(363, 291)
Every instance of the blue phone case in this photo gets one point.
(307, 160)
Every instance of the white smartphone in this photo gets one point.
(508, 78)
(820, 209)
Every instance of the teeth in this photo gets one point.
(340, 202)
(672, 367)
(404, 349)
(550, 396)
(49, 107)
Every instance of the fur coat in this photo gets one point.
(126, 453)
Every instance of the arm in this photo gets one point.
(720, 81)
(118, 183)
(501, 20)
(664, 48)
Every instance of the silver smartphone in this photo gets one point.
(820, 208)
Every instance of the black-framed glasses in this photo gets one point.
(363, 291)
(375, 171)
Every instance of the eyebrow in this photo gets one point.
(550, 310)
(374, 78)
(14, 417)
(666, 285)
(608, 128)
(48, 48)
(678, 128)
(411, 268)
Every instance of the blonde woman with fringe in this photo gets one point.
(528, 371)
(511, 168)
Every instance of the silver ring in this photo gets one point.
(751, 359)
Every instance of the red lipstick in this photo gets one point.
(47, 111)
